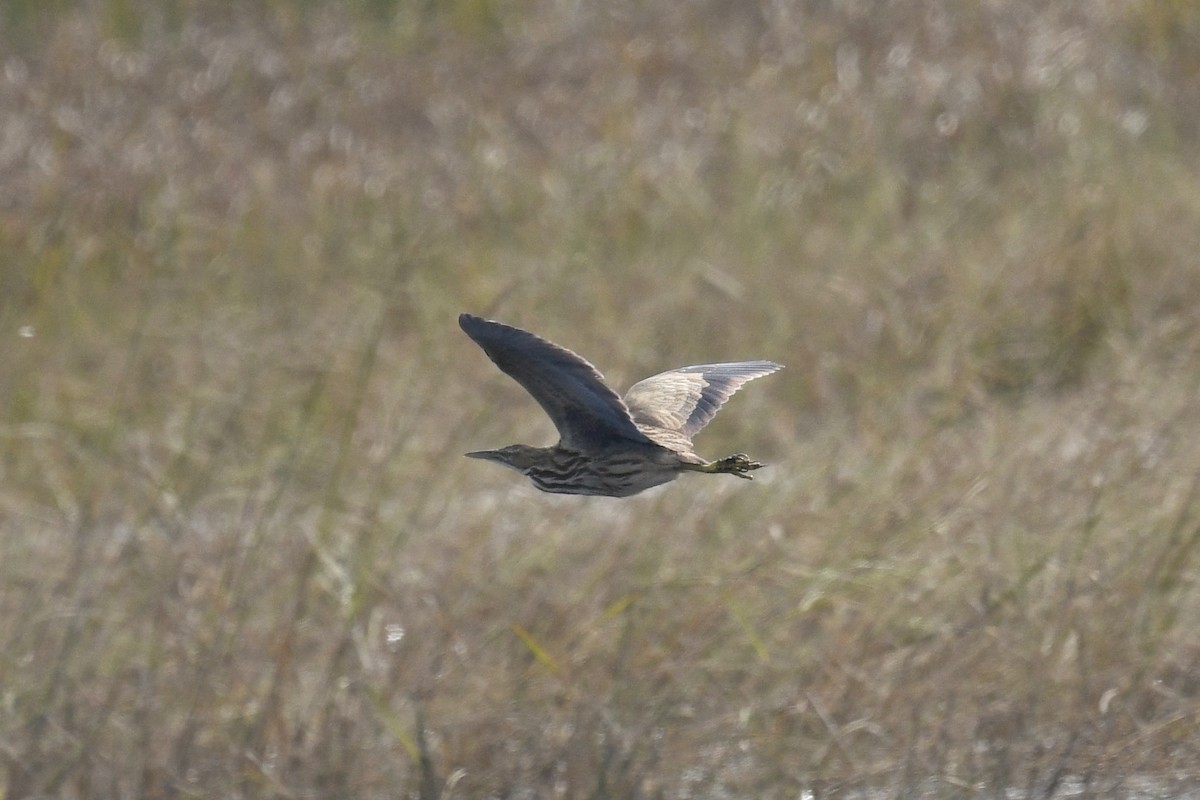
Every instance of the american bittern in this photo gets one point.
(609, 446)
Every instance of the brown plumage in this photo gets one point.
(608, 445)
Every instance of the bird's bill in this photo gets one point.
(486, 455)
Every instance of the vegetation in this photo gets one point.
(241, 555)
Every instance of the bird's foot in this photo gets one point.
(738, 464)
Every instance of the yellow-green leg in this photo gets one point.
(738, 464)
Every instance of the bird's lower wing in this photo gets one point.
(586, 412)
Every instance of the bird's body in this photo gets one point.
(619, 472)
(608, 445)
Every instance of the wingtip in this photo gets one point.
(766, 367)
(473, 325)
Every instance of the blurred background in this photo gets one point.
(242, 556)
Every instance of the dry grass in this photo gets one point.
(241, 556)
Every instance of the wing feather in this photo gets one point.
(586, 412)
(684, 400)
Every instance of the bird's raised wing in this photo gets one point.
(586, 412)
(686, 399)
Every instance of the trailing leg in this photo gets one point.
(738, 464)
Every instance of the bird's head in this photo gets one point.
(517, 456)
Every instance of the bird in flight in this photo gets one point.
(607, 445)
